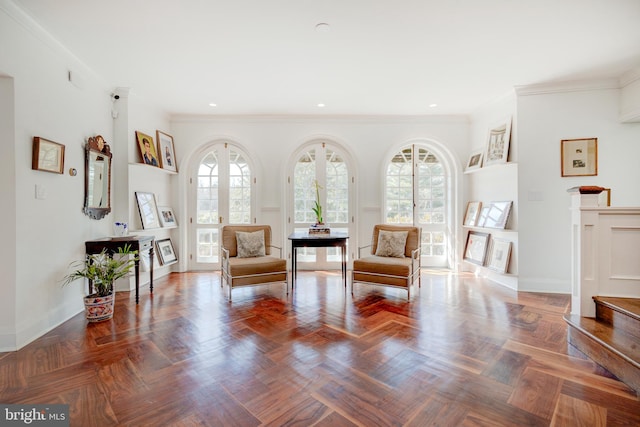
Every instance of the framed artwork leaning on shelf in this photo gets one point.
(497, 149)
(500, 255)
(166, 151)
(166, 254)
(475, 160)
(498, 215)
(475, 250)
(147, 149)
(167, 218)
(148, 210)
(471, 217)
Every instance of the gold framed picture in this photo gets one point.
(579, 157)
(147, 149)
(48, 156)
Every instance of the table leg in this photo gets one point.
(151, 269)
(344, 265)
(137, 270)
(294, 270)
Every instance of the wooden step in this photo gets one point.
(621, 313)
(611, 340)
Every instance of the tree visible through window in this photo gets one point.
(415, 193)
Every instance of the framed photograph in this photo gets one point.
(497, 150)
(47, 156)
(475, 160)
(166, 151)
(500, 255)
(166, 254)
(475, 250)
(498, 215)
(148, 210)
(147, 149)
(167, 218)
(579, 157)
(471, 217)
(482, 218)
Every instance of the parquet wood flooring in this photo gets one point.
(463, 352)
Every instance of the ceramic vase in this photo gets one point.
(98, 309)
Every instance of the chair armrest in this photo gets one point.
(360, 250)
(278, 248)
(225, 258)
(415, 257)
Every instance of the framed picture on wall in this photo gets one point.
(147, 149)
(579, 157)
(166, 151)
(47, 156)
(497, 149)
(148, 210)
(475, 250)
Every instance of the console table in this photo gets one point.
(111, 245)
(303, 239)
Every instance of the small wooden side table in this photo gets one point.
(111, 244)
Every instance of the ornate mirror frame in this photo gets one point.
(97, 178)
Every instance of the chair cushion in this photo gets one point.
(391, 243)
(251, 271)
(384, 270)
(250, 244)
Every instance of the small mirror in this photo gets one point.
(97, 179)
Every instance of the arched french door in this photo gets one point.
(325, 163)
(221, 192)
(417, 192)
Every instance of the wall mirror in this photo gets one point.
(97, 178)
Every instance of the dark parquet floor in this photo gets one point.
(463, 352)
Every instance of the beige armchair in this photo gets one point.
(247, 258)
(391, 260)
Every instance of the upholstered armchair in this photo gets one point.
(247, 258)
(392, 259)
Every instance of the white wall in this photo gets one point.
(544, 119)
(496, 183)
(44, 235)
(271, 141)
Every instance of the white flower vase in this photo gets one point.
(120, 229)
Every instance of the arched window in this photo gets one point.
(416, 193)
(221, 193)
(326, 164)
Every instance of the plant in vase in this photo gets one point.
(102, 270)
(317, 208)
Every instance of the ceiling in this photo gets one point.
(378, 57)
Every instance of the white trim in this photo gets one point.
(569, 86)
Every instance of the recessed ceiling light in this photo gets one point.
(321, 105)
(322, 27)
(433, 105)
(213, 104)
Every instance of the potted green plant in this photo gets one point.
(102, 270)
(317, 208)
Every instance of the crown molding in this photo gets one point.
(568, 86)
(22, 18)
(187, 118)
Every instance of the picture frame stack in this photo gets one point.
(155, 217)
